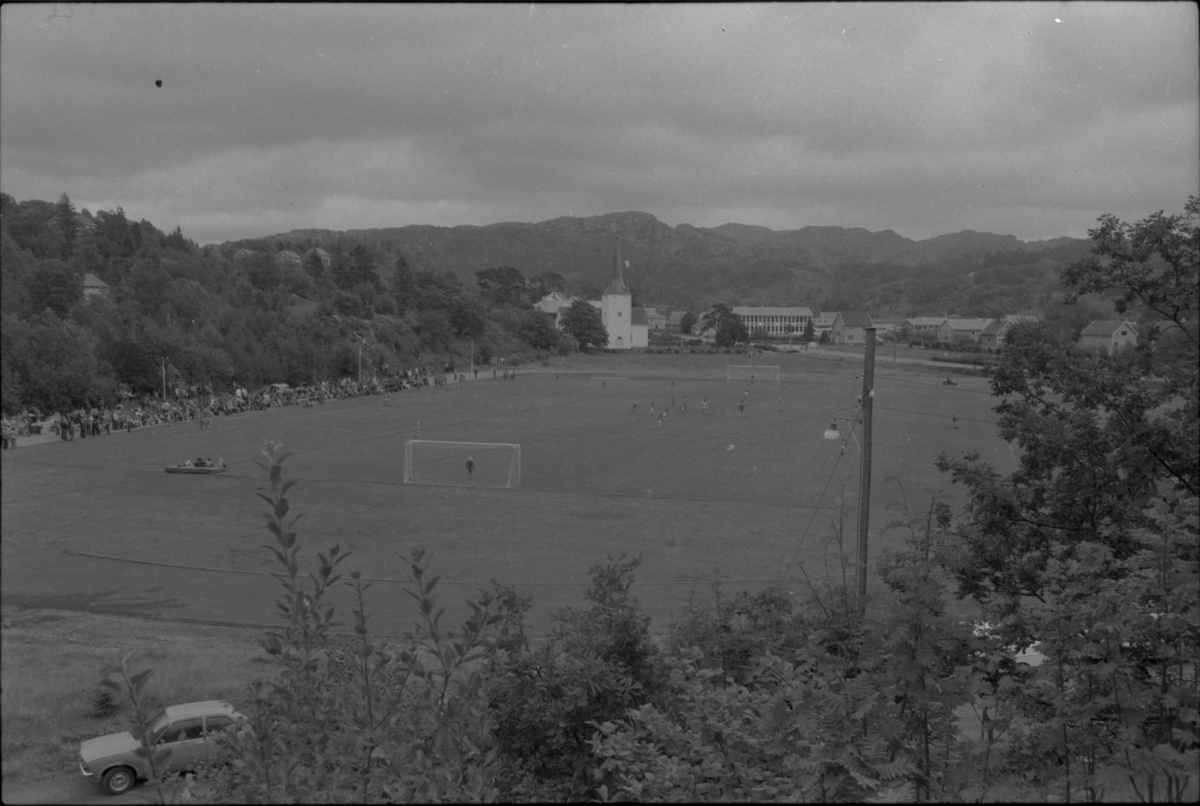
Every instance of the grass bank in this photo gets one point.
(50, 673)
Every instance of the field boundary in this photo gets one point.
(441, 581)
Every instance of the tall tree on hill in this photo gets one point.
(503, 286)
(727, 327)
(583, 321)
(686, 323)
(68, 224)
(546, 282)
(53, 285)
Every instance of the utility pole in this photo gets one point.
(864, 493)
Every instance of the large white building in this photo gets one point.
(775, 322)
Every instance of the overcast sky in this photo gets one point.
(1028, 119)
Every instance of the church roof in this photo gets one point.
(637, 316)
(617, 286)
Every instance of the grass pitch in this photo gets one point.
(97, 525)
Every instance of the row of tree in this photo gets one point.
(237, 314)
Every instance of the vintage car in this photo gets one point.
(187, 733)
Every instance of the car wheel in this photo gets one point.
(118, 780)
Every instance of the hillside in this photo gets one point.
(688, 267)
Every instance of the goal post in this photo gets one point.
(751, 372)
(462, 464)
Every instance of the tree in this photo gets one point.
(435, 331)
(727, 326)
(536, 330)
(590, 289)
(809, 331)
(503, 286)
(686, 323)
(583, 321)
(68, 224)
(467, 315)
(54, 285)
(1096, 441)
(404, 285)
(546, 282)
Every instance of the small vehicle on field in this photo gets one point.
(188, 733)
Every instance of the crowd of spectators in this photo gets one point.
(201, 403)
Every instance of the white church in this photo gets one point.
(628, 327)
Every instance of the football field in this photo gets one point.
(96, 524)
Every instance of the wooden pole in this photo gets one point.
(864, 497)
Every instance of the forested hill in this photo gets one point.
(277, 309)
(687, 267)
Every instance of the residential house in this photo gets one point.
(956, 329)
(850, 327)
(774, 323)
(655, 320)
(243, 253)
(93, 286)
(555, 304)
(324, 257)
(1108, 335)
(992, 337)
(919, 328)
(675, 321)
(289, 258)
(823, 323)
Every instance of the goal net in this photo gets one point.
(462, 464)
(751, 373)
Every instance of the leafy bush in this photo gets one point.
(599, 663)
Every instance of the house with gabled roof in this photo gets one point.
(555, 305)
(93, 286)
(289, 258)
(243, 253)
(921, 326)
(321, 254)
(675, 321)
(956, 329)
(1108, 335)
(655, 320)
(823, 324)
(850, 327)
(992, 337)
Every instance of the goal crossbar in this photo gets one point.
(752, 372)
(462, 464)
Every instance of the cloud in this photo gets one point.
(923, 118)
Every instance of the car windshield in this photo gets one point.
(158, 723)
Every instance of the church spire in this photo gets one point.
(617, 286)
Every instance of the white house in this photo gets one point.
(823, 323)
(1108, 335)
(954, 329)
(555, 304)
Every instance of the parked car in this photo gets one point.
(187, 732)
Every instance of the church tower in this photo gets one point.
(616, 306)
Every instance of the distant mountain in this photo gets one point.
(690, 267)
